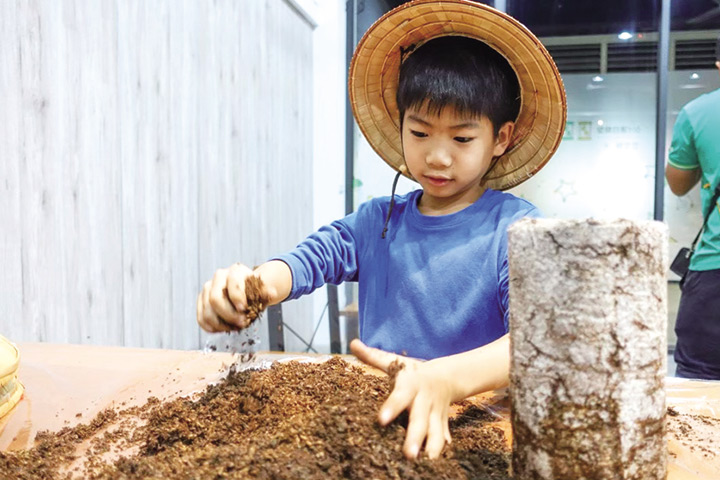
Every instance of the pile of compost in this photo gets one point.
(293, 420)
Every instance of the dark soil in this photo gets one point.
(294, 420)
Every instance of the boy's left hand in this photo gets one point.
(421, 388)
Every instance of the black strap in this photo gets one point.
(392, 202)
(713, 203)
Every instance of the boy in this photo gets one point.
(465, 101)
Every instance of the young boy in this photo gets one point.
(465, 101)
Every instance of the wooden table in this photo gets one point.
(70, 384)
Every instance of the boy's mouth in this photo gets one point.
(437, 181)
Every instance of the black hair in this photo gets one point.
(717, 50)
(462, 73)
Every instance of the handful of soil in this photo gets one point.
(257, 301)
(294, 420)
(256, 298)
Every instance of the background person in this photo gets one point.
(695, 157)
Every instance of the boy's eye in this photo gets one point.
(463, 139)
(418, 134)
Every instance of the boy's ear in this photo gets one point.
(502, 139)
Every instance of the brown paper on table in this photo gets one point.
(63, 381)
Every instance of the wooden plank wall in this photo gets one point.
(142, 146)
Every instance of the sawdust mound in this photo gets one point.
(294, 420)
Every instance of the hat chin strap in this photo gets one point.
(494, 162)
(402, 169)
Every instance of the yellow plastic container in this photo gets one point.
(11, 390)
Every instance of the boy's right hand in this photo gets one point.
(222, 304)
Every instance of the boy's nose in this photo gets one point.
(438, 157)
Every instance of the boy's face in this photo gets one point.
(449, 154)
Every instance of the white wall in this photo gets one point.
(330, 99)
(328, 151)
(605, 164)
(142, 146)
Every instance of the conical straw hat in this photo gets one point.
(374, 76)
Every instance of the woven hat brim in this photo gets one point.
(374, 75)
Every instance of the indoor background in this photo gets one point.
(143, 145)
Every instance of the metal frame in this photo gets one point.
(351, 41)
(334, 319)
(661, 111)
(275, 328)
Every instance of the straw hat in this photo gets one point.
(11, 389)
(374, 77)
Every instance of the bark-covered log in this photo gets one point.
(588, 315)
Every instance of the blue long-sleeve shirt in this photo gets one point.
(435, 286)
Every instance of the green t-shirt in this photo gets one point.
(696, 143)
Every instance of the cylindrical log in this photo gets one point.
(588, 319)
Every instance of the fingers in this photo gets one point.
(206, 316)
(428, 423)
(437, 427)
(400, 399)
(373, 356)
(446, 426)
(417, 427)
(220, 303)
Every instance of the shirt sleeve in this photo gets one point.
(329, 255)
(683, 154)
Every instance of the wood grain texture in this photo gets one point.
(143, 146)
(11, 281)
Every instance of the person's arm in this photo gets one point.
(427, 389)
(277, 278)
(683, 168)
(682, 181)
(328, 255)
